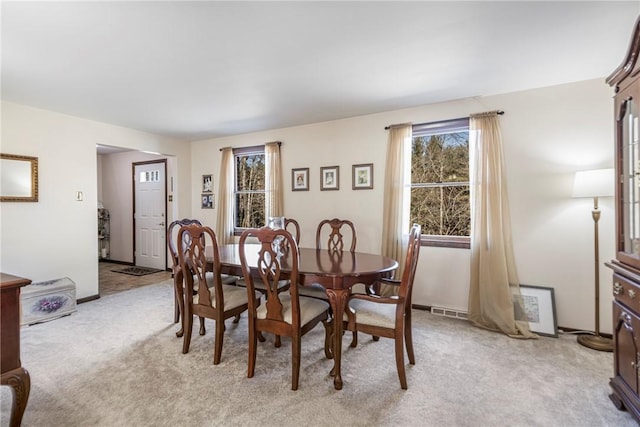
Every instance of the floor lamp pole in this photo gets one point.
(596, 342)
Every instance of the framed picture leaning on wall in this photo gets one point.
(538, 307)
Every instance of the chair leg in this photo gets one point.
(253, 345)
(179, 307)
(400, 360)
(202, 329)
(375, 338)
(295, 361)
(328, 327)
(176, 308)
(408, 340)
(187, 321)
(354, 340)
(259, 335)
(278, 342)
(217, 352)
(236, 319)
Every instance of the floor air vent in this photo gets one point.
(447, 312)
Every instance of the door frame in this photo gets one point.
(133, 211)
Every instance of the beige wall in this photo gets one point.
(548, 134)
(56, 237)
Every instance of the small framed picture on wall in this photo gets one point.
(300, 179)
(362, 178)
(330, 178)
(207, 183)
(208, 201)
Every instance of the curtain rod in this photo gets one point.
(499, 112)
(277, 142)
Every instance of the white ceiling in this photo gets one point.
(195, 70)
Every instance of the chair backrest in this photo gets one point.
(270, 262)
(200, 247)
(171, 241)
(338, 233)
(296, 228)
(411, 262)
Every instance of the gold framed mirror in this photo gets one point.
(18, 178)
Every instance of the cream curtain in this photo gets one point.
(224, 224)
(274, 204)
(395, 221)
(494, 279)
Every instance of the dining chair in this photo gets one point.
(389, 316)
(290, 223)
(292, 226)
(175, 268)
(339, 232)
(283, 313)
(216, 300)
(176, 273)
(283, 284)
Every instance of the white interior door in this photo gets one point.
(149, 215)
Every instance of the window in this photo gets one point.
(440, 199)
(150, 176)
(249, 188)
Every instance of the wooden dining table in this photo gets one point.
(336, 271)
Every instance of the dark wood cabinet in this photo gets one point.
(625, 383)
(13, 374)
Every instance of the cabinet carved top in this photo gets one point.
(630, 66)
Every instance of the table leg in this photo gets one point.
(20, 383)
(338, 300)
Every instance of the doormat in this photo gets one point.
(137, 271)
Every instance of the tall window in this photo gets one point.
(440, 199)
(249, 192)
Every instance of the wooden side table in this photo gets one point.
(13, 374)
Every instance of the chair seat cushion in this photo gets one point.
(314, 291)
(372, 313)
(259, 285)
(226, 280)
(233, 297)
(309, 309)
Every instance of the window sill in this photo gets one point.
(457, 242)
(237, 232)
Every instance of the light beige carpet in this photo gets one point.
(117, 362)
